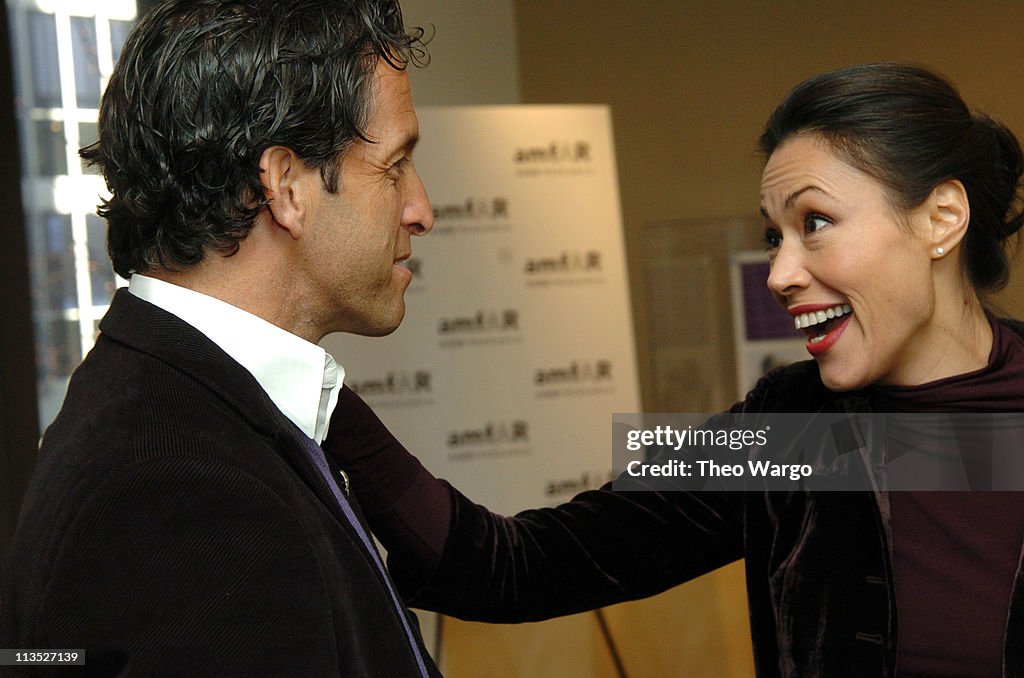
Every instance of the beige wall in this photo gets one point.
(689, 84)
(473, 52)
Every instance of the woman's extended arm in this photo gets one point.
(449, 554)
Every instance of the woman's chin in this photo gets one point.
(840, 380)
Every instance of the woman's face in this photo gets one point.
(856, 277)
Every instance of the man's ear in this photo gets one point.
(286, 187)
(950, 214)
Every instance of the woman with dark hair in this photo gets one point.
(888, 207)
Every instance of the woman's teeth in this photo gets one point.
(805, 320)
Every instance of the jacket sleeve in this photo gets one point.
(186, 566)
(600, 548)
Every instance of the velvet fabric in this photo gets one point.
(818, 565)
(955, 554)
(176, 526)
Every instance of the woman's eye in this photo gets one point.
(772, 239)
(815, 222)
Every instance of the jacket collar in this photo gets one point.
(149, 329)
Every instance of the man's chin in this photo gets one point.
(381, 326)
(381, 331)
(378, 320)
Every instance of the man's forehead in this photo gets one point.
(393, 117)
(391, 86)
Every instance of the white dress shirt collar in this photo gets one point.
(301, 378)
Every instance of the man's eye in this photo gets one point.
(772, 239)
(815, 222)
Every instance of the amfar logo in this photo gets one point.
(491, 433)
(481, 322)
(577, 372)
(567, 262)
(588, 480)
(555, 152)
(395, 383)
(473, 208)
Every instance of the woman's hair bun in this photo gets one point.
(1009, 168)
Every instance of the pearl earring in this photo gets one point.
(940, 250)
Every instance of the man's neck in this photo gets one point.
(254, 279)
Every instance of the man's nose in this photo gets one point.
(418, 215)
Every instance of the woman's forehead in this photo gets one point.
(806, 162)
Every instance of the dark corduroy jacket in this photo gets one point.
(175, 525)
(818, 564)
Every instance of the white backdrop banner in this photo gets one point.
(517, 344)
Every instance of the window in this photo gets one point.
(63, 53)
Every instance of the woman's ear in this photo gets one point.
(950, 214)
(285, 180)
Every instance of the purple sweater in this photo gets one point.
(955, 554)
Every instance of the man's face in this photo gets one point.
(362, 234)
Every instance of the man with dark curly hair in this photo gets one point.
(183, 519)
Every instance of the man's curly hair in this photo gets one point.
(203, 87)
